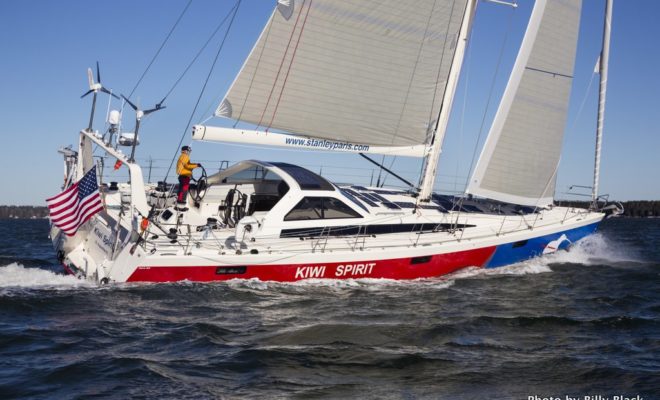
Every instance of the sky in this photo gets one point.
(47, 46)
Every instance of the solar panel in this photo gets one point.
(387, 191)
(370, 196)
(352, 198)
(379, 197)
(405, 204)
(391, 205)
(361, 197)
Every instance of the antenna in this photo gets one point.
(95, 87)
(138, 117)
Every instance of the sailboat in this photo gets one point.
(362, 77)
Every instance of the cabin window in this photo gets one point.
(255, 173)
(320, 208)
(305, 178)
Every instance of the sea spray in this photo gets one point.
(16, 275)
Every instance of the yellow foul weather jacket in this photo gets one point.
(183, 166)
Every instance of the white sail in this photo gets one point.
(519, 161)
(371, 72)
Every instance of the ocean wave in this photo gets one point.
(529, 267)
(596, 249)
(16, 275)
(371, 284)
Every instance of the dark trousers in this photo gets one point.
(184, 185)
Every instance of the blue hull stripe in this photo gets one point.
(511, 253)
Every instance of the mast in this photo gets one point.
(431, 159)
(604, 61)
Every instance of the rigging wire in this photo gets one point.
(279, 70)
(437, 79)
(160, 48)
(293, 57)
(463, 109)
(490, 96)
(414, 70)
(390, 167)
(458, 205)
(410, 83)
(199, 53)
(584, 99)
(380, 171)
(254, 74)
(201, 93)
(435, 92)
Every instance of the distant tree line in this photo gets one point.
(23, 212)
(638, 208)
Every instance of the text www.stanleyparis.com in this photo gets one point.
(326, 144)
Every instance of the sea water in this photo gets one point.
(576, 324)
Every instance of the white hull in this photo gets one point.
(202, 253)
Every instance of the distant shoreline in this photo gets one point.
(633, 208)
(23, 212)
(637, 208)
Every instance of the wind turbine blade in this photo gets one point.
(104, 90)
(86, 93)
(90, 78)
(133, 106)
(98, 73)
(147, 112)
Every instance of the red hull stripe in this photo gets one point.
(399, 268)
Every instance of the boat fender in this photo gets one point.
(144, 224)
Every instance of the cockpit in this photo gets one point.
(255, 188)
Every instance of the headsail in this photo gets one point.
(519, 161)
(371, 71)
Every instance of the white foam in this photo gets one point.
(592, 250)
(16, 275)
(362, 283)
(529, 267)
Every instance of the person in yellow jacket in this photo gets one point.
(184, 168)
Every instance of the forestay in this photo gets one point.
(369, 71)
(519, 161)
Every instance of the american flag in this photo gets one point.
(76, 205)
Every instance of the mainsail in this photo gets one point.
(370, 72)
(519, 161)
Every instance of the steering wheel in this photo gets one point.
(229, 204)
(232, 201)
(201, 185)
